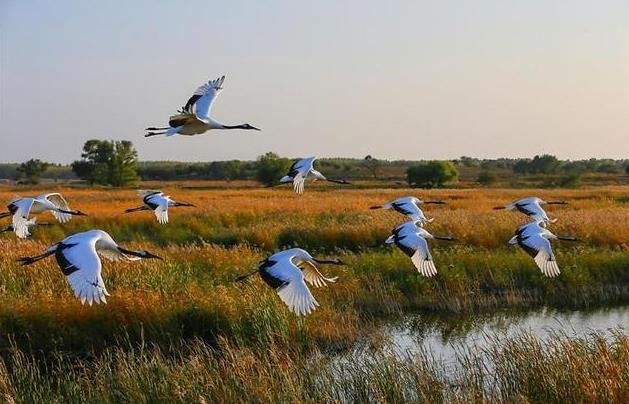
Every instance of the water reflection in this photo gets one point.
(442, 337)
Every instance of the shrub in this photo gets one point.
(270, 168)
(432, 174)
(32, 170)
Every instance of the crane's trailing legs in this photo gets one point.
(168, 132)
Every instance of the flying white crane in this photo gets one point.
(77, 256)
(159, 203)
(411, 239)
(194, 118)
(29, 223)
(409, 206)
(300, 170)
(532, 207)
(288, 271)
(534, 238)
(21, 208)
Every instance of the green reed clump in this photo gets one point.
(192, 294)
(470, 278)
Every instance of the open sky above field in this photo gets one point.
(398, 79)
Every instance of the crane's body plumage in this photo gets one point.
(288, 271)
(22, 208)
(300, 170)
(411, 239)
(78, 258)
(534, 238)
(158, 202)
(410, 207)
(194, 118)
(532, 207)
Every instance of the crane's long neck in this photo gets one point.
(242, 126)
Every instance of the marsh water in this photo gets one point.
(445, 338)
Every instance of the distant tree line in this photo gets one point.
(115, 163)
(547, 164)
(215, 170)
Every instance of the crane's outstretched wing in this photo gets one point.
(531, 207)
(540, 249)
(416, 247)
(58, 200)
(313, 276)
(294, 169)
(408, 207)
(288, 281)
(82, 268)
(203, 98)
(298, 183)
(161, 212)
(147, 192)
(159, 204)
(21, 208)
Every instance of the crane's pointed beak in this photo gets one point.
(150, 255)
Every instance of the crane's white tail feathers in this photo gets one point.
(513, 240)
(298, 298)
(390, 240)
(286, 179)
(547, 264)
(425, 267)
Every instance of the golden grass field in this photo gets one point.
(191, 294)
(598, 216)
(229, 231)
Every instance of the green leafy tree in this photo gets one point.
(432, 174)
(31, 170)
(270, 167)
(124, 164)
(108, 162)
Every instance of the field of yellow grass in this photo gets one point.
(338, 218)
(191, 295)
(207, 246)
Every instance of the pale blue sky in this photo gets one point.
(395, 79)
